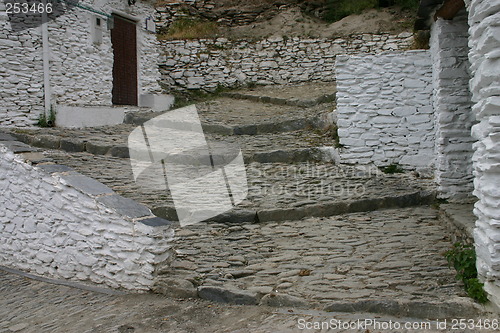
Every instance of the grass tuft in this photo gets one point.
(190, 28)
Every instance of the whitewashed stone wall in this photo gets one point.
(384, 109)
(207, 64)
(21, 74)
(484, 56)
(80, 70)
(452, 107)
(61, 224)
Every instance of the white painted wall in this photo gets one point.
(21, 74)
(52, 227)
(484, 56)
(80, 70)
(384, 109)
(452, 108)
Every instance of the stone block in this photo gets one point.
(72, 145)
(54, 168)
(228, 295)
(86, 184)
(283, 300)
(124, 206)
(177, 288)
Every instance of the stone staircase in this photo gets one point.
(311, 233)
(287, 136)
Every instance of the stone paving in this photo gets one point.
(112, 140)
(289, 95)
(277, 191)
(309, 235)
(28, 305)
(383, 255)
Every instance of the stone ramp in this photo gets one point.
(277, 191)
(232, 116)
(265, 132)
(387, 261)
(34, 306)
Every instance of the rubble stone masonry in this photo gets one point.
(484, 56)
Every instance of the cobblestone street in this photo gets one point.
(313, 238)
(28, 305)
(383, 255)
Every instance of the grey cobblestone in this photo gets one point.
(303, 188)
(371, 260)
(383, 255)
(33, 306)
(304, 95)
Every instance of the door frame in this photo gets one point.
(135, 20)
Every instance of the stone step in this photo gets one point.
(276, 191)
(303, 95)
(311, 209)
(286, 147)
(228, 116)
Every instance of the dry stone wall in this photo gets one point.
(209, 63)
(58, 223)
(484, 56)
(384, 109)
(166, 13)
(452, 105)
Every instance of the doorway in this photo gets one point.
(124, 41)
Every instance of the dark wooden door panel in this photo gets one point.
(124, 40)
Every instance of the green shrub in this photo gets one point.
(47, 121)
(338, 9)
(463, 259)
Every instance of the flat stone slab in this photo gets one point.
(156, 222)
(54, 168)
(86, 184)
(226, 295)
(18, 147)
(124, 206)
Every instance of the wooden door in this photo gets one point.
(124, 40)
